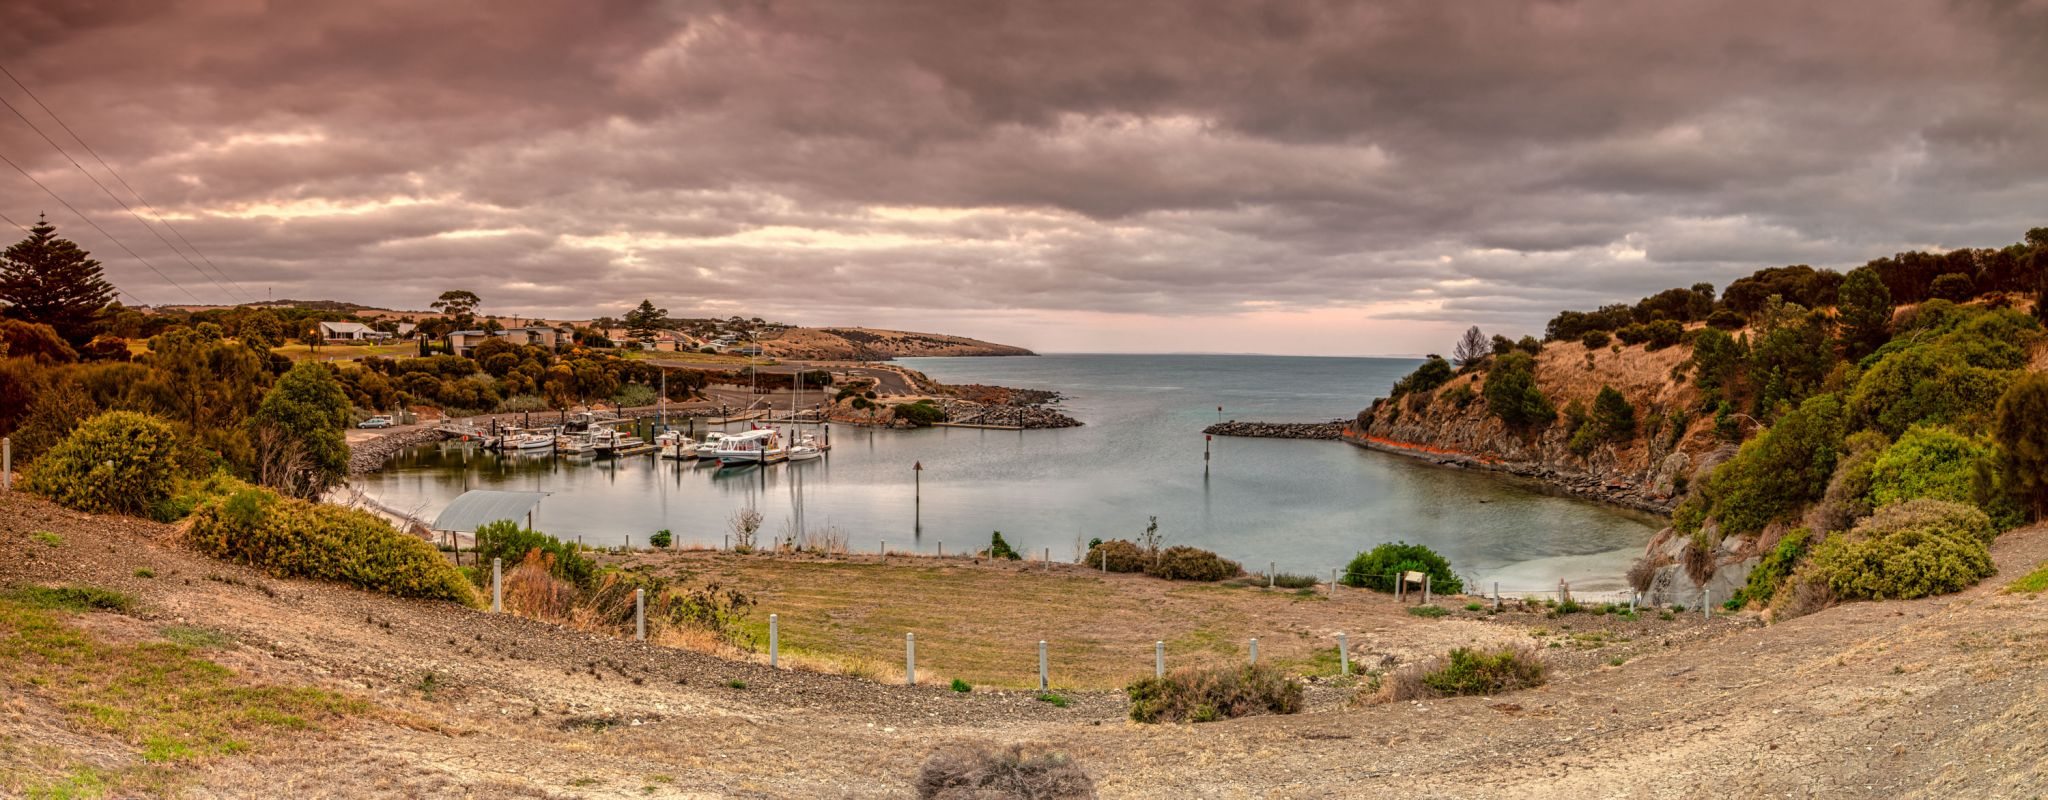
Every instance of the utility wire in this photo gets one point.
(27, 230)
(124, 181)
(116, 198)
(103, 231)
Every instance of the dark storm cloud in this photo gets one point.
(1484, 161)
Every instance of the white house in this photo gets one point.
(347, 332)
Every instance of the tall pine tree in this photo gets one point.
(52, 281)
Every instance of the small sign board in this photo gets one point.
(1412, 576)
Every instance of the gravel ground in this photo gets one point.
(1942, 697)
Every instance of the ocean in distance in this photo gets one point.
(1306, 505)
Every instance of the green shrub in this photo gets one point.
(1511, 392)
(1212, 693)
(510, 541)
(1378, 568)
(1777, 565)
(1469, 672)
(1118, 555)
(1474, 607)
(920, 414)
(294, 538)
(634, 395)
(1433, 372)
(300, 432)
(1431, 612)
(1914, 549)
(1662, 333)
(1594, 340)
(72, 598)
(1950, 373)
(1928, 462)
(997, 548)
(1054, 699)
(1184, 563)
(190, 494)
(961, 686)
(2023, 440)
(1459, 396)
(119, 461)
(1286, 580)
(661, 538)
(1773, 475)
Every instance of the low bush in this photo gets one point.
(979, 772)
(1117, 555)
(508, 540)
(1463, 671)
(961, 686)
(1777, 565)
(119, 461)
(1208, 694)
(1914, 549)
(1429, 611)
(1377, 568)
(920, 414)
(1286, 580)
(294, 538)
(1594, 340)
(72, 598)
(1184, 563)
(662, 538)
(997, 548)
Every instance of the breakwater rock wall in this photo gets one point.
(1279, 430)
(370, 456)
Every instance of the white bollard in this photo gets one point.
(1706, 604)
(1343, 655)
(639, 615)
(497, 584)
(1255, 651)
(1269, 574)
(1044, 673)
(1425, 590)
(885, 548)
(1158, 659)
(1496, 595)
(774, 640)
(7, 464)
(910, 659)
(1333, 584)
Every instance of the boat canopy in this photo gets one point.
(479, 507)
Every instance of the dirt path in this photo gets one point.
(1942, 697)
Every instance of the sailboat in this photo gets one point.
(674, 445)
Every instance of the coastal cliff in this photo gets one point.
(1647, 470)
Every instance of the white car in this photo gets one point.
(379, 421)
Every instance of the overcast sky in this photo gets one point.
(1231, 176)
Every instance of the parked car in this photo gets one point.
(379, 421)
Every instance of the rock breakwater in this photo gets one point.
(1279, 430)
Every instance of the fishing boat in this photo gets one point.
(805, 448)
(762, 446)
(674, 445)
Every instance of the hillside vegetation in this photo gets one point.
(1859, 435)
(847, 344)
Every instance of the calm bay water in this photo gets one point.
(1307, 505)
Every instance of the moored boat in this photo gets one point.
(752, 447)
(674, 445)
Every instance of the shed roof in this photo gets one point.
(345, 327)
(479, 507)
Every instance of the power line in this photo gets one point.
(103, 231)
(124, 181)
(110, 194)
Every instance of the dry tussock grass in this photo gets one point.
(981, 772)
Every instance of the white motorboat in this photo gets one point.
(805, 448)
(708, 449)
(537, 440)
(674, 445)
(762, 446)
(610, 442)
(574, 445)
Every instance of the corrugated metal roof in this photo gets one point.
(479, 507)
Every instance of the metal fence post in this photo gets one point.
(639, 615)
(910, 659)
(1044, 673)
(1333, 584)
(1496, 595)
(1706, 603)
(7, 464)
(1425, 590)
(497, 584)
(1343, 655)
(1269, 574)
(1159, 659)
(774, 640)
(1255, 651)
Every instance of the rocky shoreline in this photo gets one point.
(1613, 490)
(1279, 430)
(369, 456)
